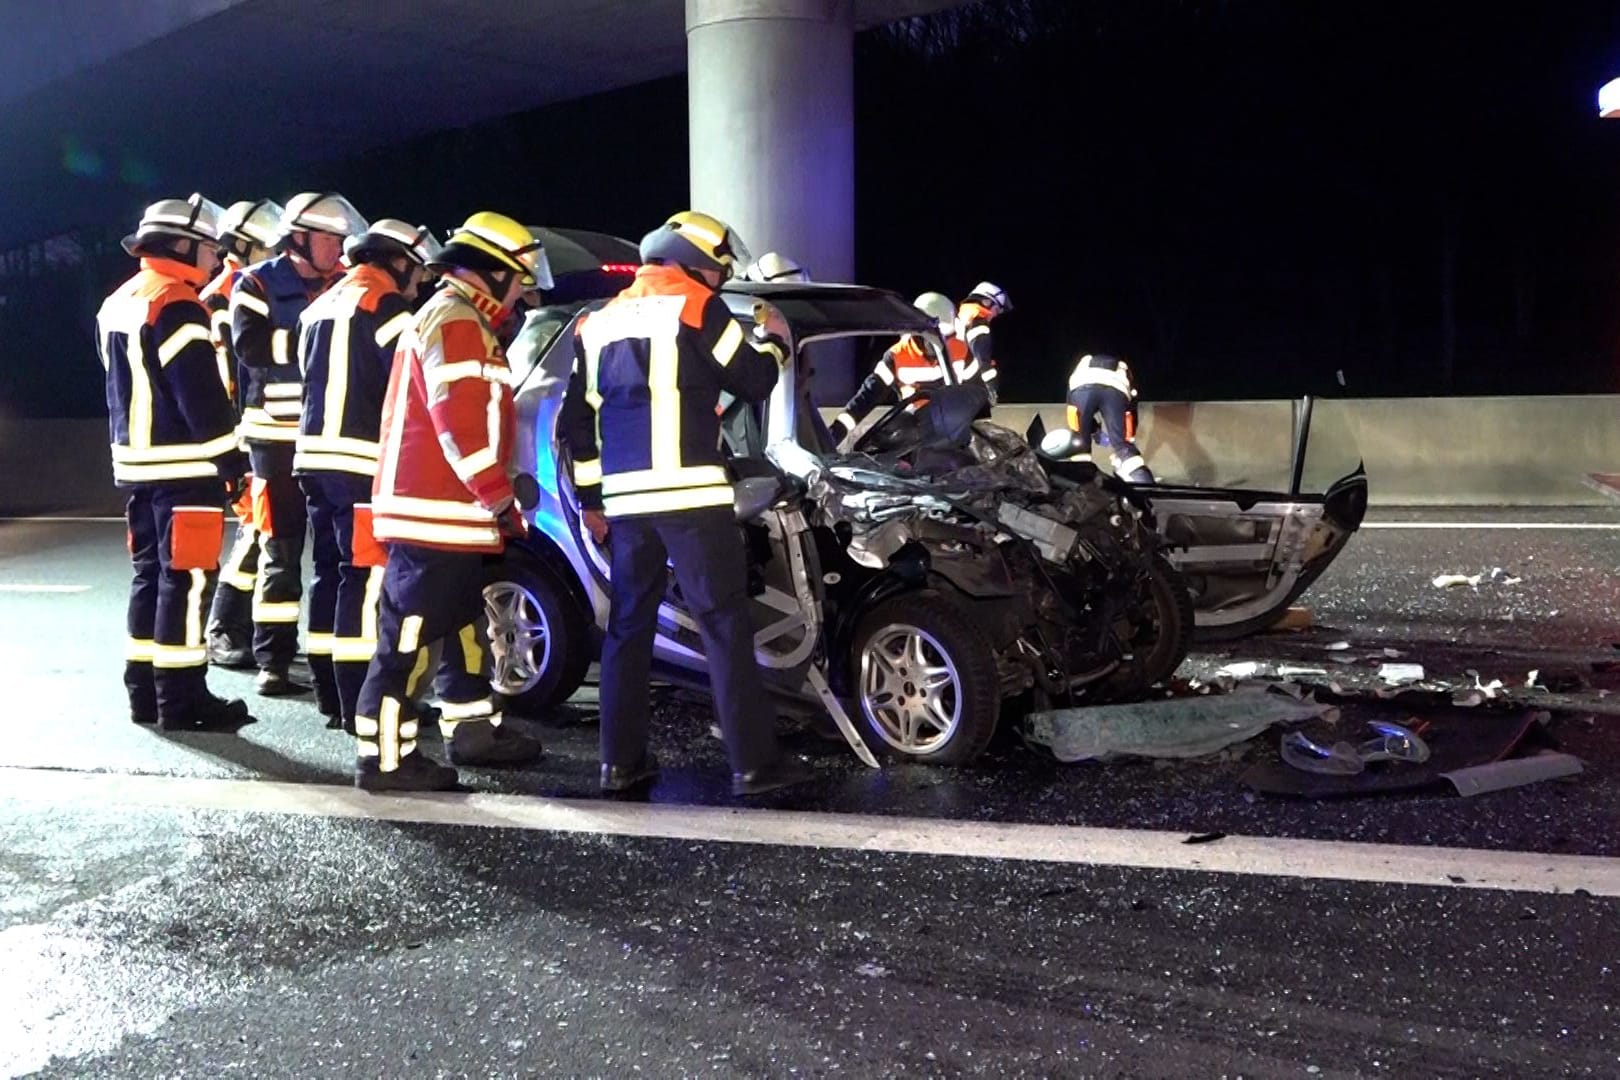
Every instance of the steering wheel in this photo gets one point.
(896, 429)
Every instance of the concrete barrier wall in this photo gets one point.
(1418, 451)
(1482, 451)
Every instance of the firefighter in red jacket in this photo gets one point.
(983, 306)
(265, 306)
(174, 453)
(649, 369)
(909, 366)
(346, 350)
(442, 502)
(247, 235)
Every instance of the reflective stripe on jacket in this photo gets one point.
(640, 416)
(447, 428)
(170, 418)
(265, 306)
(346, 342)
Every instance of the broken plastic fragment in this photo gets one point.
(1451, 581)
(1400, 674)
(1337, 646)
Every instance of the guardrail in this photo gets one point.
(1533, 451)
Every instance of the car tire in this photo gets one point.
(1162, 640)
(539, 634)
(901, 715)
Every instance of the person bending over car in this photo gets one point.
(648, 372)
(1101, 386)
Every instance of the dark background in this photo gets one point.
(1246, 197)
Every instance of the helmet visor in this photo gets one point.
(535, 264)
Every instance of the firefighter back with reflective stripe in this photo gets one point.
(640, 413)
(346, 351)
(171, 420)
(447, 428)
(265, 305)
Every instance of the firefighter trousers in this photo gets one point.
(165, 658)
(278, 508)
(338, 589)
(1112, 405)
(428, 596)
(231, 613)
(704, 548)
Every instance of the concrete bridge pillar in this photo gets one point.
(771, 96)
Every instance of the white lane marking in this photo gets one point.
(1333, 860)
(6, 588)
(1589, 526)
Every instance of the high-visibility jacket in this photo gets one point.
(216, 298)
(973, 327)
(907, 366)
(447, 428)
(265, 306)
(346, 344)
(639, 417)
(171, 420)
(1100, 369)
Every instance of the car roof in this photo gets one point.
(813, 308)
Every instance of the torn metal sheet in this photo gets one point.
(1174, 728)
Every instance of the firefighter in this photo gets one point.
(775, 267)
(982, 307)
(345, 352)
(1101, 386)
(442, 502)
(908, 366)
(247, 235)
(265, 306)
(174, 452)
(649, 370)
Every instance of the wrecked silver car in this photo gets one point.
(913, 594)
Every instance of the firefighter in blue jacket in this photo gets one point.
(649, 370)
(247, 234)
(346, 351)
(174, 452)
(265, 306)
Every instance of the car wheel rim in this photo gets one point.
(911, 693)
(519, 637)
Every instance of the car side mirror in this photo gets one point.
(526, 489)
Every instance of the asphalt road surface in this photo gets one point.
(212, 905)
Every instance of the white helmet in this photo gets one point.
(195, 218)
(773, 266)
(939, 307)
(1061, 443)
(255, 221)
(391, 236)
(321, 211)
(993, 295)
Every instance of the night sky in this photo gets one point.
(1245, 197)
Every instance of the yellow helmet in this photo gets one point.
(698, 241)
(509, 244)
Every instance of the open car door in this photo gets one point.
(1249, 554)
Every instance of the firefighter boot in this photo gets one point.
(416, 772)
(205, 713)
(482, 742)
(276, 682)
(138, 680)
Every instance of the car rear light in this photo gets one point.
(619, 268)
